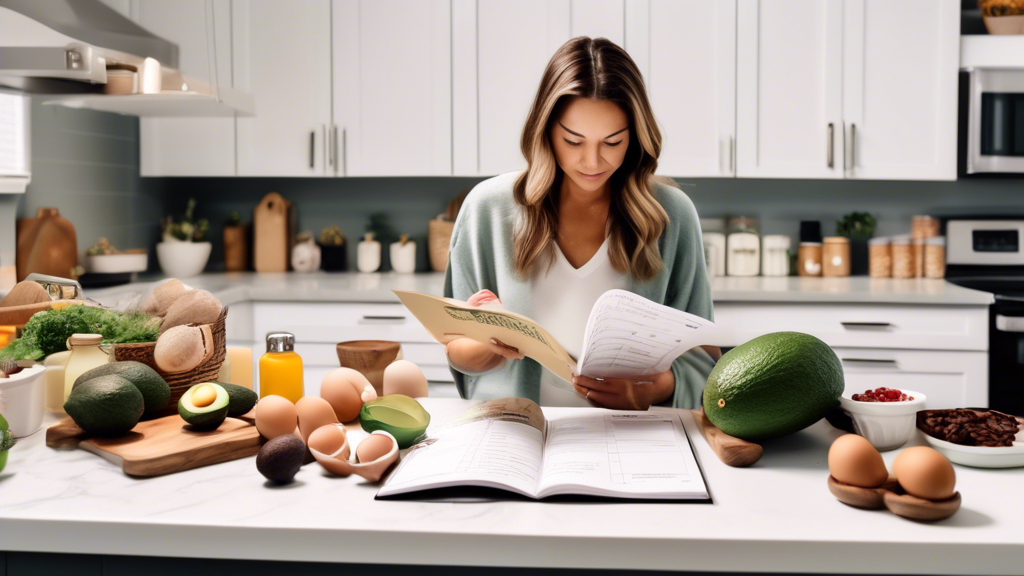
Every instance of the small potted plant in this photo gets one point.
(236, 244)
(333, 251)
(184, 251)
(859, 227)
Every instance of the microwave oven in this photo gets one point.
(992, 120)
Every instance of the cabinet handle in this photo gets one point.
(853, 145)
(334, 148)
(327, 154)
(344, 152)
(384, 318)
(732, 155)
(1009, 323)
(831, 144)
(869, 360)
(854, 325)
(312, 147)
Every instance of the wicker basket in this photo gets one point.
(439, 236)
(206, 372)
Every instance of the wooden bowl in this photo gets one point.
(369, 357)
(890, 495)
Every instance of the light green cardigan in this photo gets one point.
(481, 256)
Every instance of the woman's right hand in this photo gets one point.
(471, 357)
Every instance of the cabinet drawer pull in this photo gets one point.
(854, 325)
(831, 145)
(876, 361)
(1009, 323)
(312, 147)
(384, 318)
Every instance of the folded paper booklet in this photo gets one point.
(512, 444)
(626, 336)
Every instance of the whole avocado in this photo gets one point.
(105, 406)
(155, 391)
(773, 385)
(279, 459)
(241, 399)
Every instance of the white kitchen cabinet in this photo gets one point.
(499, 51)
(124, 7)
(392, 88)
(900, 64)
(947, 379)
(686, 51)
(190, 146)
(789, 89)
(282, 56)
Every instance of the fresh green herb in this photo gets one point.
(188, 229)
(856, 226)
(47, 331)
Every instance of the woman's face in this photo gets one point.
(590, 141)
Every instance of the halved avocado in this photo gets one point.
(204, 406)
(240, 399)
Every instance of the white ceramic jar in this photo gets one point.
(775, 260)
(22, 397)
(368, 254)
(743, 254)
(403, 255)
(714, 253)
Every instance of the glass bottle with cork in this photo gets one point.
(86, 354)
(281, 368)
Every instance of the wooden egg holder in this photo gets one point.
(892, 496)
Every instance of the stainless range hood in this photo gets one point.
(84, 54)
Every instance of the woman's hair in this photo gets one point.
(600, 70)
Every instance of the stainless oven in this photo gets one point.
(988, 255)
(994, 120)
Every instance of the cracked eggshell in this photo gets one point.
(375, 454)
(329, 446)
(275, 416)
(346, 391)
(404, 377)
(313, 412)
(182, 348)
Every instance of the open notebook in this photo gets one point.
(626, 336)
(512, 444)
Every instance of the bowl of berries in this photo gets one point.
(887, 417)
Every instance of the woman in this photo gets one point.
(585, 217)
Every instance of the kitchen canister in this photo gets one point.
(835, 256)
(903, 257)
(808, 259)
(403, 255)
(743, 247)
(879, 258)
(368, 254)
(714, 253)
(935, 257)
(775, 260)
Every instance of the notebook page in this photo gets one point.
(629, 336)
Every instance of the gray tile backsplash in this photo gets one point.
(87, 164)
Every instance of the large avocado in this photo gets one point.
(773, 385)
(155, 391)
(200, 409)
(105, 406)
(240, 398)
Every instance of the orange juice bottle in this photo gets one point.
(281, 368)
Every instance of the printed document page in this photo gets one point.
(619, 453)
(629, 336)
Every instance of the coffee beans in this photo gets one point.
(970, 427)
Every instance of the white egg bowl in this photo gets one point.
(22, 397)
(887, 425)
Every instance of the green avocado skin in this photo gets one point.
(240, 399)
(105, 406)
(207, 417)
(155, 391)
(773, 386)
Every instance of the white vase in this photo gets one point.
(403, 256)
(306, 257)
(183, 259)
(368, 254)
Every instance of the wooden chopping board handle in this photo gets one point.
(730, 450)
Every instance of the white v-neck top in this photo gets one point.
(562, 299)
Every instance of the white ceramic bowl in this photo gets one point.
(22, 397)
(887, 425)
(183, 259)
(116, 263)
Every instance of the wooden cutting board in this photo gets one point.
(164, 445)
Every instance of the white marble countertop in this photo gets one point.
(232, 288)
(777, 516)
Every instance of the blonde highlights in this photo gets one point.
(600, 70)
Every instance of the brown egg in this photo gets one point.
(924, 473)
(374, 447)
(404, 377)
(853, 460)
(313, 413)
(342, 388)
(275, 416)
(329, 446)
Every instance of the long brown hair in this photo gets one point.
(595, 69)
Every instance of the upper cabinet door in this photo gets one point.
(500, 50)
(392, 88)
(282, 56)
(687, 53)
(789, 89)
(900, 66)
(190, 146)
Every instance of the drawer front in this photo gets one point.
(862, 325)
(338, 322)
(947, 379)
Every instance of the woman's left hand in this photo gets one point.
(626, 394)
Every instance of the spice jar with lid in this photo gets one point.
(902, 257)
(835, 256)
(935, 257)
(775, 261)
(809, 259)
(879, 258)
